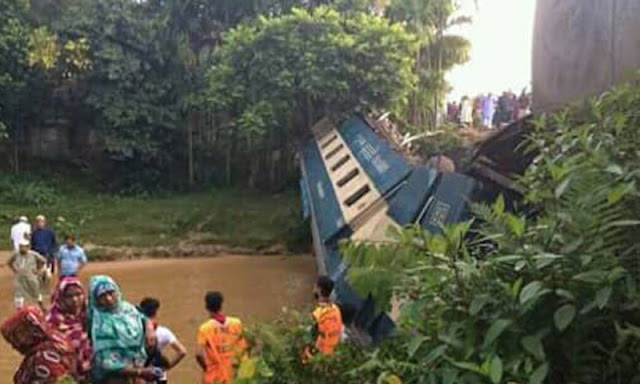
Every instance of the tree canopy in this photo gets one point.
(211, 91)
(310, 64)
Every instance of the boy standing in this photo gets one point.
(328, 326)
(221, 343)
(149, 307)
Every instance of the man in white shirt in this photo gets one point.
(19, 232)
(166, 339)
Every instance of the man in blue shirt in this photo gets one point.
(71, 258)
(43, 241)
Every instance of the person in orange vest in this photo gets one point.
(221, 343)
(328, 327)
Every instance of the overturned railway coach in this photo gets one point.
(355, 186)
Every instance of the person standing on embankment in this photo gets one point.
(27, 267)
(71, 258)
(19, 232)
(43, 241)
(328, 327)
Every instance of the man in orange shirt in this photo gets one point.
(221, 343)
(328, 325)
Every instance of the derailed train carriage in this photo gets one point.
(355, 186)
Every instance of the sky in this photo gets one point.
(501, 36)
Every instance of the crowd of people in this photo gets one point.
(96, 336)
(489, 111)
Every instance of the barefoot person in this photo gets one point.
(120, 336)
(166, 339)
(68, 315)
(221, 343)
(27, 267)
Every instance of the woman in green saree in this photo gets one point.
(120, 336)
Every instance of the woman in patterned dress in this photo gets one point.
(68, 315)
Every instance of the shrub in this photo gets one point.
(25, 191)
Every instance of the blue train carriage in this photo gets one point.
(355, 186)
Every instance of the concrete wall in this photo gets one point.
(583, 47)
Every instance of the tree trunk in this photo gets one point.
(191, 164)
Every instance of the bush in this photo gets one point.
(277, 359)
(25, 191)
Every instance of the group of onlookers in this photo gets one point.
(98, 337)
(488, 110)
(36, 256)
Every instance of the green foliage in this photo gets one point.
(277, 347)
(26, 191)
(309, 64)
(448, 139)
(436, 53)
(232, 218)
(530, 300)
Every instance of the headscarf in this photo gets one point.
(72, 326)
(47, 355)
(117, 333)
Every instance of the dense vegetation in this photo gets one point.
(512, 298)
(228, 218)
(183, 93)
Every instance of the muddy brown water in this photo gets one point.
(256, 288)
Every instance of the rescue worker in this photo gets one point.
(221, 343)
(328, 327)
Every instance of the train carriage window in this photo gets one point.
(343, 160)
(334, 152)
(357, 195)
(348, 177)
(328, 142)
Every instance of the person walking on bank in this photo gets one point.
(71, 258)
(165, 339)
(27, 267)
(221, 343)
(43, 241)
(466, 112)
(19, 232)
(328, 327)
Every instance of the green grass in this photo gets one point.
(230, 217)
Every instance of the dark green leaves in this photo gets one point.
(564, 316)
(496, 370)
(538, 376)
(533, 345)
(531, 291)
(495, 331)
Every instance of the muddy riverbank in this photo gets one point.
(256, 289)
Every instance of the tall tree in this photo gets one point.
(438, 52)
(289, 71)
